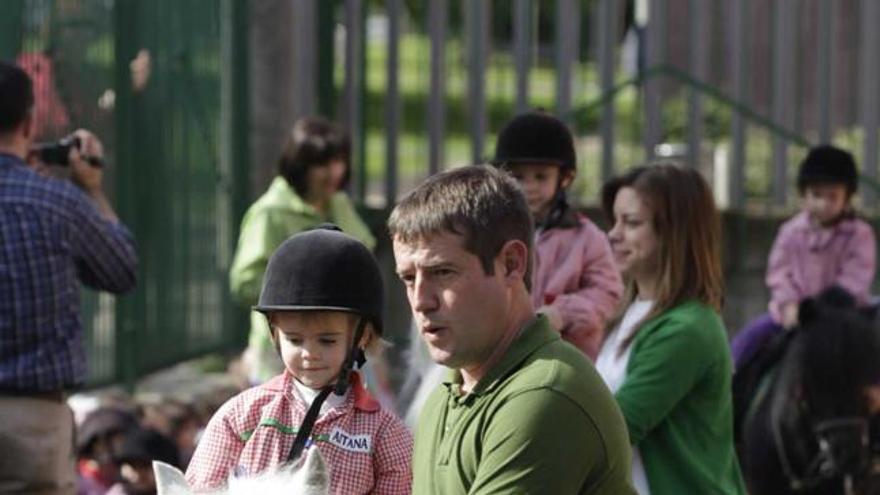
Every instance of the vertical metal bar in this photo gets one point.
(326, 57)
(305, 20)
(781, 71)
(522, 35)
(235, 148)
(392, 106)
(698, 48)
(870, 93)
(130, 309)
(607, 65)
(740, 12)
(477, 39)
(823, 67)
(565, 54)
(656, 56)
(437, 13)
(11, 23)
(353, 77)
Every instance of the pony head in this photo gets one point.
(309, 477)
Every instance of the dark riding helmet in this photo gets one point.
(828, 164)
(535, 137)
(323, 269)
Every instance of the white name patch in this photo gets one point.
(352, 443)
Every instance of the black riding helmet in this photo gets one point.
(828, 164)
(323, 269)
(535, 137)
(538, 137)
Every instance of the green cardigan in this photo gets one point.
(676, 400)
(276, 215)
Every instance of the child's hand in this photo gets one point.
(553, 316)
(790, 315)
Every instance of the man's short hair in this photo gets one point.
(16, 96)
(482, 204)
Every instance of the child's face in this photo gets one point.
(313, 344)
(825, 202)
(539, 182)
(324, 180)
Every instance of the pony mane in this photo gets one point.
(308, 477)
(839, 355)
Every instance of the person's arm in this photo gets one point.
(392, 459)
(859, 263)
(104, 250)
(217, 453)
(780, 278)
(585, 310)
(255, 245)
(539, 442)
(663, 370)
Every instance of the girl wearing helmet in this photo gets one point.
(824, 245)
(322, 298)
(575, 283)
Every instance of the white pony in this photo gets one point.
(309, 477)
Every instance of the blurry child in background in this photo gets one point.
(574, 281)
(824, 245)
(137, 451)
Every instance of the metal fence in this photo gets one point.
(739, 88)
(179, 160)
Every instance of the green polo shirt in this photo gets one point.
(540, 421)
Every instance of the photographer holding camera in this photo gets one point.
(54, 235)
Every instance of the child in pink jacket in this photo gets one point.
(824, 245)
(322, 297)
(575, 282)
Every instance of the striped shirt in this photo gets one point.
(367, 449)
(52, 238)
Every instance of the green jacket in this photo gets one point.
(677, 403)
(276, 215)
(541, 421)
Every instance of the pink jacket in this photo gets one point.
(807, 259)
(575, 273)
(367, 448)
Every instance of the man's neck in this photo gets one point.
(13, 147)
(472, 375)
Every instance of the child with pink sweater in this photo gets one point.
(575, 283)
(824, 245)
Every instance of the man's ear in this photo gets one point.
(27, 126)
(514, 257)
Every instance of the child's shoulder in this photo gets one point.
(247, 405)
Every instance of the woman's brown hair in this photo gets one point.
(688, 228)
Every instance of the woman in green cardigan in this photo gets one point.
(666, 357)
(312, 172)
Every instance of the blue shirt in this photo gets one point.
(51, 239)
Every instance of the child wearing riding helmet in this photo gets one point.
(824, 245)
(574, 281)
(322, 298)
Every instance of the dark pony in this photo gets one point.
(803, 421)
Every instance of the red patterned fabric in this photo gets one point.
(367, 449)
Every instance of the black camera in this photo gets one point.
(58, 152)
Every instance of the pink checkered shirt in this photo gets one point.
(367, 449)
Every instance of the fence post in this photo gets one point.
(11, 13)
(235, 128)
(392, 106)
(130, 309)
(607, 64)
(437, 15)
(870, 93)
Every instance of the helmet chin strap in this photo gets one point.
(354, 356)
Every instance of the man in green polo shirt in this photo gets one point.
(523, 411)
